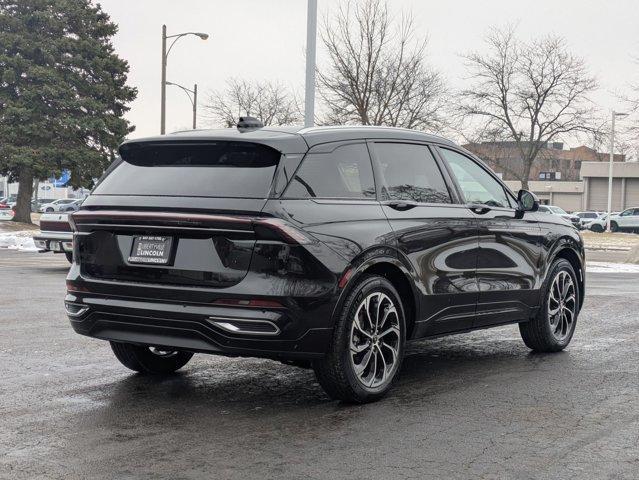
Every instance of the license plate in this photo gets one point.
(151, 249)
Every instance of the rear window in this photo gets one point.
(221, 169)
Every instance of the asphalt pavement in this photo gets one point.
(478, 405)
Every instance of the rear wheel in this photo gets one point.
(553, 327)
(367, 349)
(145, 359)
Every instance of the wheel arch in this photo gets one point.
(398, 275)
(571, 256)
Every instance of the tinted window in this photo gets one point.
(410, 173)
(220, 169)
(345, 172)
(477, 185)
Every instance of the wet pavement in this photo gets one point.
(478, 405)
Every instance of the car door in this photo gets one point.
(625, 219)
(434, 233)
(332, 196)
(508, 262)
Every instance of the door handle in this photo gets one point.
(401, 205)
(479, 208)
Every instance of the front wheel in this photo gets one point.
(153, 360)
(554, 325)
(597, 228)
(367, 348)
(614, 227)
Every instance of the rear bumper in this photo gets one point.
(54, 241)
(279, 333)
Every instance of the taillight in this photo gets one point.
(274, 227)
(72, 222)
(74, 287)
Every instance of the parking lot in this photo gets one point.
(470, 406)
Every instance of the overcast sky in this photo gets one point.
(265, 39)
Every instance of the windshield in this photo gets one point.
(558, 210)
(215, 169)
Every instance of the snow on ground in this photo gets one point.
(20, 240)
(605, 267)
(610, 241)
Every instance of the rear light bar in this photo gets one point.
(265, 228)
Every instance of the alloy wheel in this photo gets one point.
(562, 305)
(375, 340)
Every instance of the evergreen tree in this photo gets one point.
(63, 93)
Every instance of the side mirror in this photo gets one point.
(527, 201)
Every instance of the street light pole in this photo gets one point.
(311, 39)
(192, 99)
(194, 106)
(614, 115)
(165, 55)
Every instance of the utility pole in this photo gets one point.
(311, 40)
(610, 165)
(163, 91)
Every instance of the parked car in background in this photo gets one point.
(55, 235)
(585, 218)
(626, 221)
(73, 206)
(600, 224)
(560, 212)
(37, 204)
(56, 205)
(326, 247)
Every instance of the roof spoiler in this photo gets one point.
(248, 124)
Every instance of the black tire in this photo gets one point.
(69, 256)
(49, 210)
(614, 227)
(597, 228)
(143, 359)
(537, 333)
(336, 371)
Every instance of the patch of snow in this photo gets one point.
(605, 267)
(21, 240)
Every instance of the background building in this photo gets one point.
(553, 163)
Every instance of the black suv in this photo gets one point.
(321, 247)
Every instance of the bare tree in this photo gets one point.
(376, 74)
(529, 94)
(269, 102)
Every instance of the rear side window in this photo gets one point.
(219, 169)
(410, 173)
(346, 172)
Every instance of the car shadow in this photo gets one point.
(241, 387)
